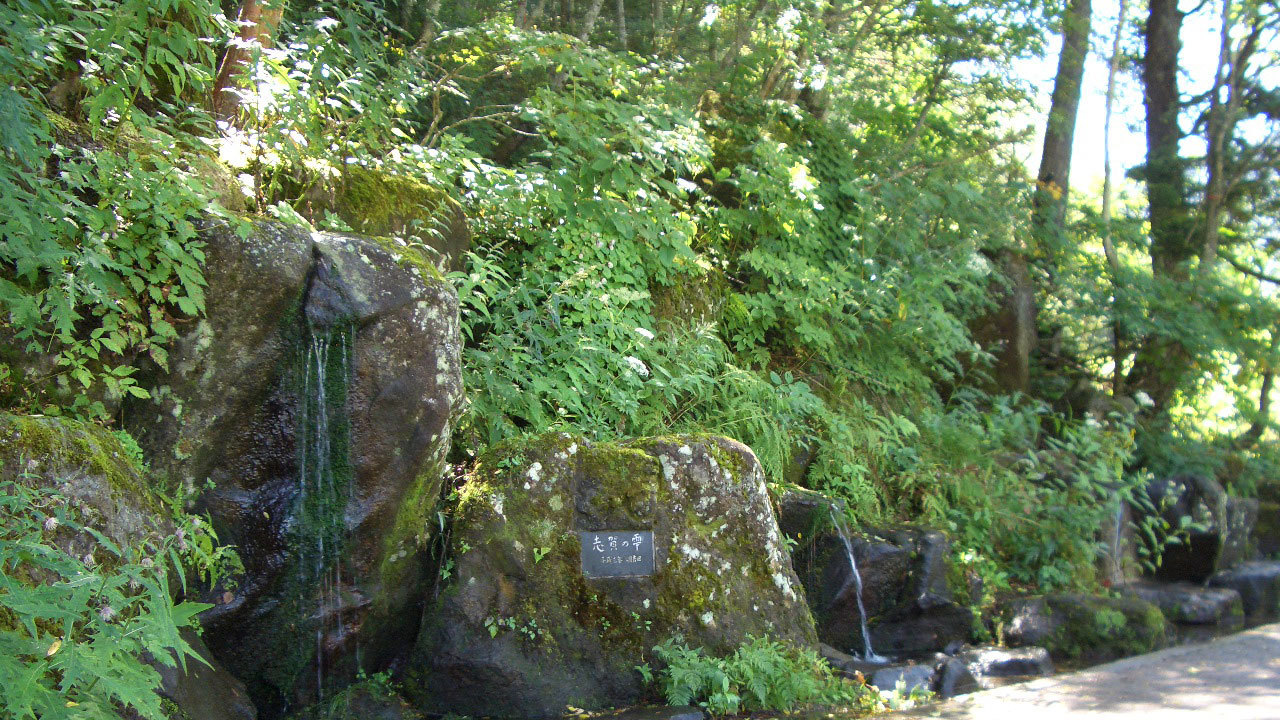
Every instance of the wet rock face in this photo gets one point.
(1222, 538)
(310, 411)
(910, 611)
(520, 631)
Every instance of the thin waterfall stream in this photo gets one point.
(323, 481)
(868, 653)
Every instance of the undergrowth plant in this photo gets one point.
(761, 675)
(84, 621)
(99, 259)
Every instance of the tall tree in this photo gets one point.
(258, 22)
(1017, 317)
(1055, 160)
(1162, 361)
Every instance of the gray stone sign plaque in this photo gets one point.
(617, 553)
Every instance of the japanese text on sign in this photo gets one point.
(617, 553)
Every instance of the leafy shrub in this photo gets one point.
(761, 675)
(98, 251)
(74, 631)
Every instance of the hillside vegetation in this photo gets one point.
(801, 225)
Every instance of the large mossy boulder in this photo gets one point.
(105, 489)
(309, 412)
(1085, 628)
(903, 571)
(519, 631)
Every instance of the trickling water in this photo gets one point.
(322, 478)
(1117, 541)
(868, 653)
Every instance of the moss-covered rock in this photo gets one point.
(377, 203)
(521, 632)
(105, 488)
(92, 470)
(1086, 628)
(316, 399)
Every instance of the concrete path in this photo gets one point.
(1231, 678)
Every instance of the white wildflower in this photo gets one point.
(788, 19)
(51, 523)
(686, 185)
(646, 334)
(709, 16)
(638, 366)
(1143, 399)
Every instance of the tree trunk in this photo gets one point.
(589, 22)
(1055, 160)
(1118, 331)
(621, 8)
(1162, 361)
(258, 23)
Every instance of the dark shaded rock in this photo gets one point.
(205, 691)
(993, 666)
(316, 400)
(521, 632)
(1258, 583)
(654, 712)
(905, 678)
(1192, 604)
(1267, 531)
(909, 608)
(1085, 628)
(955, 678)
(1028, 621)
(1219, 537)
(369, 699)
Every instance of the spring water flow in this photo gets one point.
(868, 653)
(322, 478)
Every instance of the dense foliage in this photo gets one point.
(797, 224)
(760, 675)
(75, 629)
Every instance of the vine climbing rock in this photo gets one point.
(309, 412)
(521, 630)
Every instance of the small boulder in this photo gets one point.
(1188, 604)
(904, 678)
(1258, 583)
(1085, 628)
(521, 630)
(994, 667)
(955, 678)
